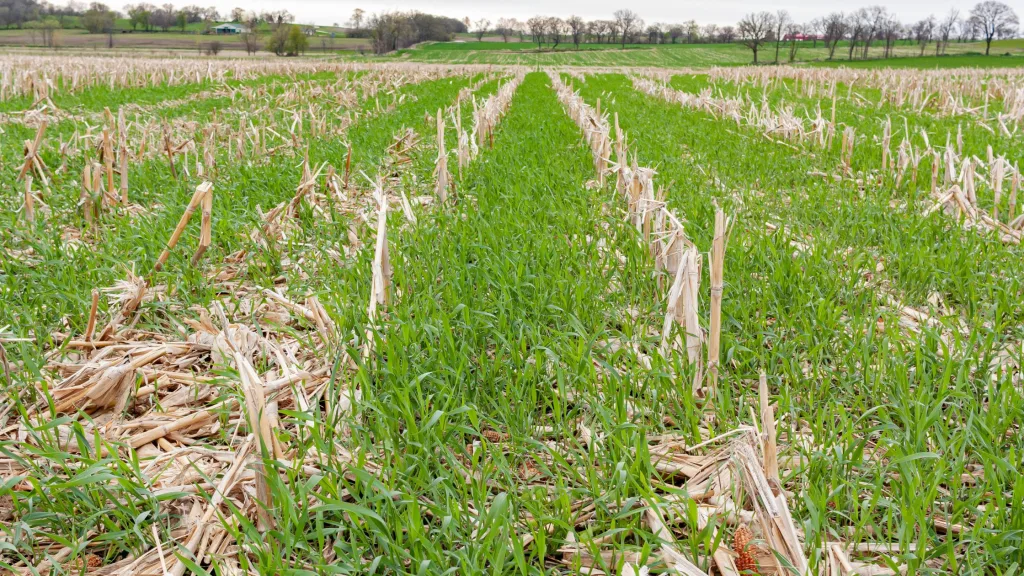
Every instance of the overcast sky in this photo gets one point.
(326, 12)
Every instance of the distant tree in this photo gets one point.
(891, 29)
(277, 41)
(834, 28)
(599, 28)
(727, 34)
(782, 21)
(251, 41)
(390, 31)
(675, 32)
(138, 15)
(98, 19)
(538, 26)
(193, 14)
(628, 22)
(709, 33)
(815, 28)
(505, 27)
(613, 31)
(46, 30)
(358, 17)
(874, 19)
(923, 30)
(238, 15)
(793, 31)
(945, 30)
(577, 27)
(287, 40)
(653, 33)
(33, 28)
(482, 26)
(755, 29)
(297, 42)
(965, 29)
(181, 19)
(49, 28)
(856, 24)
(555, 27)
(277, 18)
(163, 17)
(993, 20)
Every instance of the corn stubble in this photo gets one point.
(372, 376)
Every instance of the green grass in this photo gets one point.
(688, 55)
(852, 379)
(523, 313)
(932, 62)
(588, 55)
(521, 46)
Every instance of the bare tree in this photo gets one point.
(538, 25)
(755, 29)
(923, 30)
(945, 30)
(815, 28)
(613, 31)
(653, 33)
(857, 24)
(628, 22)
(891, 29)
(727, 35)
(48, 27)
(994, 20)
(505, 27)
(251, 41)
(577, 27)
(793, 32)
(675, 32)
(835, 28)
(965, 30)
(709, 33)
(875, 19)
(555, 27)
(358, 16)
(482, 25)
(782, 20)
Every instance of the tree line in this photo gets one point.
(389, 31)
(273, 30)
(857, 31)
(97, 17)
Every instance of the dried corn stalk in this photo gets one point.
(717, 260)
(442, 178)
(380, 290)
(203, 195)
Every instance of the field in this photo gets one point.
(492, 51)
(319, 316)
(132, 43)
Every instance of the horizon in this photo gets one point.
(726, 12)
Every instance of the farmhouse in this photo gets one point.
(801, 37)
(230, 28)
